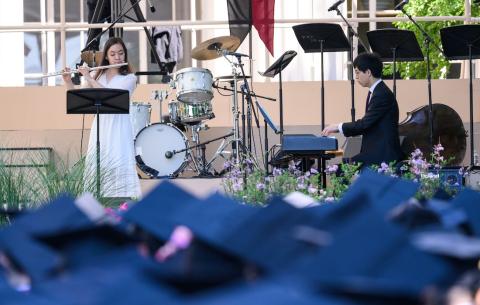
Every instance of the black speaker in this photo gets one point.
(451, 177)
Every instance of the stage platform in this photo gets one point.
(199, 187)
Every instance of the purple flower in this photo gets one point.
(301, 186)
(331, 169)
(237, 186)
(277, 172)
(417, 153)
(227, 165)
(313, 170)
(260, 186)
(291, 166)
(438, 148)
(312, 190)
(384, 168)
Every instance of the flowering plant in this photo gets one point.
(251, 185)
(418, 169)
(247, 184)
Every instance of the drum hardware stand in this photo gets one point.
(203, 171)
(223, 145)
(236, 142)
(160, 96)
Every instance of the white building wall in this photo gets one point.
(11, 44)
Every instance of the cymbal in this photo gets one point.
(230, 77)
(209, 48)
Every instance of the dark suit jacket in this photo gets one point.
(379, 129)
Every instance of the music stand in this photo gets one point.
(463, 42)
(274, 69)
(98, 101)
(268, 121)
(322, 37)
(395, 45)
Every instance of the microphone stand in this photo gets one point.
(351, 34)
(427, 41)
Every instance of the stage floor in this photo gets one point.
(199, 187)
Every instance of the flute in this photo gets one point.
(90, 69)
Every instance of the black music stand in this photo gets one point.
(98, 101)
(268, 121)
(322, 37)
(274, 69)
(395, 45)
(459, 43)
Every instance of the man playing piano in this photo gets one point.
(379, 125)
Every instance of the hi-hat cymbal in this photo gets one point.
(209, 48)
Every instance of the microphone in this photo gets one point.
(335, 5)
(400, 5)
(225, 52)
(150, 4)
(168, 154)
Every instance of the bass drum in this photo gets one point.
(154, 150)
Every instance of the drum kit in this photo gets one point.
(162, 149)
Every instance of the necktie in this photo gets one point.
(368, 100)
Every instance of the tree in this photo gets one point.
(416, 8)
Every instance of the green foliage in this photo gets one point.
(417, 8)
(250, 185)
(339, 183)
(30, 187)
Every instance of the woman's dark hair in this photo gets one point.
(123, 70)
(369, 61)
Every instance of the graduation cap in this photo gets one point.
(155, 213)
(202, 264)
(119, 278)
(415, 216)
(29, 256)
(272, 290)
(13, 297)
(374, 259)
(199, 267)
(22, 241)
(385, 192)
(60, 215)
(469, 201)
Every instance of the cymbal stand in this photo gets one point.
(235, 141)
(246, 95)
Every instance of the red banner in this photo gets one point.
(263, 18)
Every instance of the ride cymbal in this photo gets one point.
(209, 49)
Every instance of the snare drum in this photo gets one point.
(194, 85)
(190, 113)
(139, 116)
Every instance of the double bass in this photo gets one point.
(448, 130)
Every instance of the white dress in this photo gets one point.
(119, 176)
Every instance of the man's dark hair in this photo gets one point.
(369, 61)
